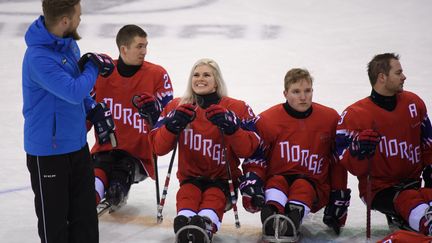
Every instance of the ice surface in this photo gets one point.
(255, 43)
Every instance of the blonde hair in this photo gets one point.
(296, 74)
(189, 96)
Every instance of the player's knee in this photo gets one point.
(188, 196)
(101, 175)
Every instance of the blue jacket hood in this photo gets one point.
(38, 35)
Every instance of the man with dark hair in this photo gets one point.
(56, 85)
(148, 84)
(385, 140)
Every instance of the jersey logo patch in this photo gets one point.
(415, 125)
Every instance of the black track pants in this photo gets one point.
(65, 200)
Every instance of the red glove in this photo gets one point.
(104, 63)
(178, 119)
(364, 144)
(148, 107)
(226, 120)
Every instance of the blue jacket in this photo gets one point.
(55, 93)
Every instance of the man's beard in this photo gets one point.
(73, 34)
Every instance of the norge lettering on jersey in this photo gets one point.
(295, 154)
(395, 148)
(197, 143)
(126, 115)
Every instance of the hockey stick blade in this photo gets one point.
(103, 207)
(113, 140)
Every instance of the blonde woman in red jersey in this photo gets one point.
(299, 139)
(116, 168)
(204, 123)
(385, 140)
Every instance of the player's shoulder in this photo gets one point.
(153, 66)
(323, 114)
(273, 113)
(232, 103)
(231, 100)
(407, 98)
(275, 109)
(240, 107)
(408, 95)
(324, 109)
(360, 105)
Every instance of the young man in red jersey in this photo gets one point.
(116, 168)
(387, 138)
(301, 173)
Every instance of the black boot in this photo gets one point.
(205, 233)
(267, 211)
(121, 179)
(295, 213)
(179, 222)
(116, 194)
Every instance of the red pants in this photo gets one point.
(407, 200)
(300, 190)
(192, 198)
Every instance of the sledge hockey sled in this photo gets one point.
(280, 225)
(104, 206)
(192, 234)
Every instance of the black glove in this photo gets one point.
(251, 188)
(364, 144)
(148, 107)
(179, 118)
(104, 63)
(336, 211)
(427, 176)
(103, 123)
(226, 120)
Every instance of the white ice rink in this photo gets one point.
(255, 42)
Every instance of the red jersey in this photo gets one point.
(400, 153)
(403, 236)
(200, 143)
(300, 146)
(117, 92)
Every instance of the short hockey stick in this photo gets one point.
(230, 182)
(156, 172)
(368, 201)
(155, 164)
(167, 180)
(369, 193)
